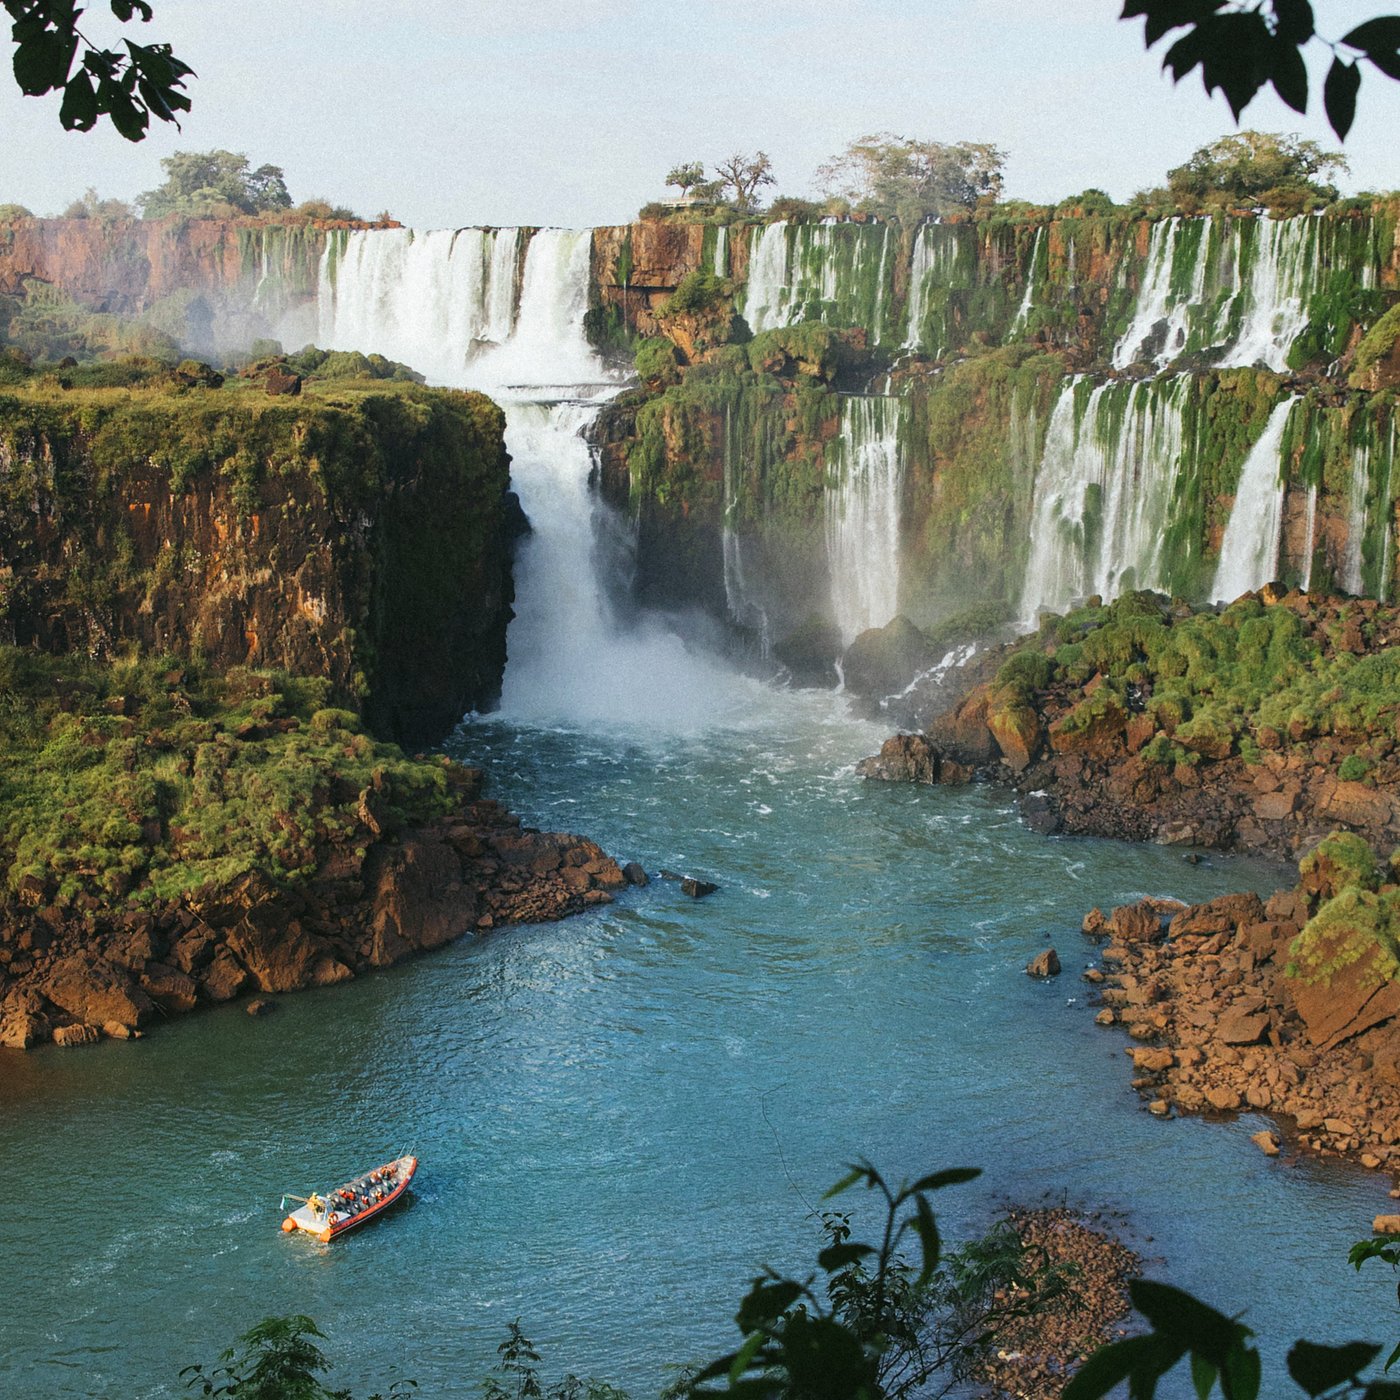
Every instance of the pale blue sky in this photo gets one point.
(571, 111)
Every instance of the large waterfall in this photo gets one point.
(862, 516)
(1102, 492)
(1249, 551)
(453, 305)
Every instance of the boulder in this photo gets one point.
(1386, 1225)
(1266, 1142)
(261, 1006)
(904, 758)
(963, 734)
(92, 990)
(809, 652)
(1135, 923)
(418, 900)
(281, 380)
(635, 875)
(1016, 728)
(884, 660)
(169, 988)
(80, 1034)
(1223, 1099)
(1242, 1028)
(697, 889)
(1354, 804)
(1045, 964)
(280, 955)
(224, 977)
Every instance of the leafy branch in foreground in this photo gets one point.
(145, 81)
(1241, 46)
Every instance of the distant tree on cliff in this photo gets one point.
(91, 207)
(1241, 46)
(53, 55)
(1257, 167)
(205, 183)
(685, 177)
(897, 177)
(743, 176)
(1283, 174)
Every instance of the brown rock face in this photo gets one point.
(1351, 1001)
(1135, 923)
(1017, 730)
(1356, 805)
(905, 758)
(92, 990)
(1045, 964)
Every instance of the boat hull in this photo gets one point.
(367, 1196)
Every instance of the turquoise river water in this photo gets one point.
(619, 1117)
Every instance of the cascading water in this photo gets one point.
(1102, 492)
(1023, 312)
(862, 516)
(721, 268)
(1352, 578)
(1249, 550)
(1309, 535)
(741, 606)
(436, 300)
(447, 303)
(1239, 290)
(832, 271)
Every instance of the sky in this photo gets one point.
(571, 112)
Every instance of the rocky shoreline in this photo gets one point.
(1224, 1022)
(1101, 736)
(76, 977)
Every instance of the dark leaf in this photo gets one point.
(838, 1256)
(927, 1227)
(1186, 53)
(1141, 1358)
(124, 9)
(954, 1176)
(1290, 77)
(854, 1175)
(765, 1302)
(1339, 98)
(1380, 33)
(79, 109)
(1293, 21)
(1203, 1375)
(1392, 1358)
(1187, 1320)
(1240, 1375)
(1381, 1390)
(1318, 1368)
(1238, 57)
(42, 57)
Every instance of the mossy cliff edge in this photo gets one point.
(360, 533)
(218, 604)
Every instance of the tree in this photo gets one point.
(686, 177)
(745, 175)
(203, 183)
(1256, 167)
(130, 88)
(898, 177)
(1240, 46)
(91, 207)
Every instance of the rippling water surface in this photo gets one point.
(620, 1116)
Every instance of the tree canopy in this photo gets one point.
(215, 182)
(743, 176)
(1257, 167)
(912, 180)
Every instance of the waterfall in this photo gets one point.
(833, 271)
(1352, 578)
(938, 264)
(1103, 492)
(1024, 311)
(1198, 297)
(1249, 550)
(435, 300)
(722, 251)
(1309, 531)
(862, 516)
(1275, 300)
(742, 609)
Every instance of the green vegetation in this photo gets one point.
(896, 177)
(215, 184)
(1285, 174)
(150, 779)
